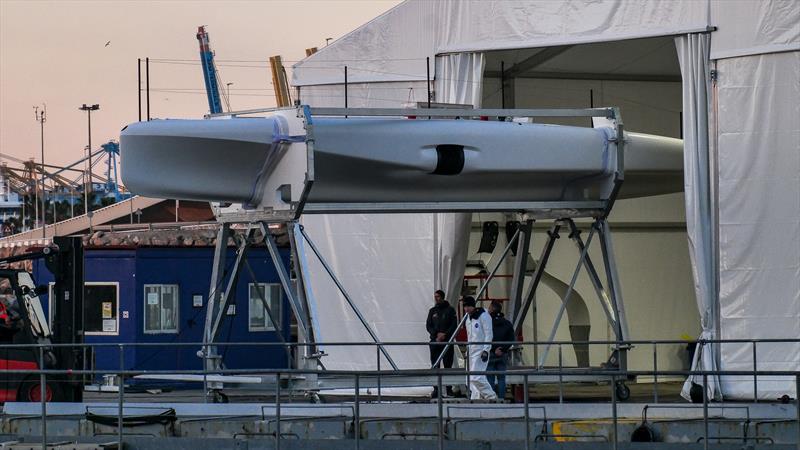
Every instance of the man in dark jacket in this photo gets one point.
(502, 331)
(441, 324)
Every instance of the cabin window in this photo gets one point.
(101, 308)
(161, 303)
(258, 317)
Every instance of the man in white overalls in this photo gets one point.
(479, 329)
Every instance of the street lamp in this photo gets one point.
(228, 86)
(41, 118)
(87, 188)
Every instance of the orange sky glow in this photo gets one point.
(55, 52)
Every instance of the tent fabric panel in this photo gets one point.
(693, 52)
(759, 217)
(393, 46)
(752, 27)
(495, 25)
(459, 80)
(385, 262)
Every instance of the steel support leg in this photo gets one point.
(293, 228)
(297, 308)
(615, 290)
(525, 231)
(212, 303)
(602, 295)
(275, 322)
(566, 298)
(233, 280)
(537, 277)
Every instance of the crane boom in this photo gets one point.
(209, 71)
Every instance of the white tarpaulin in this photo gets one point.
(759, 215)
(459, 79)
(394, 45)
(754, 27)
(693, 52)
(385, 262)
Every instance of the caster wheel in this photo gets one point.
(219, 397)
(622, 392)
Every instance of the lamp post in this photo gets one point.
(41, 118)
(88, 187)
(228, 86)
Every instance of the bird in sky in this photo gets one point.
(108, 43)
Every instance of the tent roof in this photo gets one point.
(394, 46)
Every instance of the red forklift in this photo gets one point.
(23, 322)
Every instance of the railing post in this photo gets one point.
(755, 374)
(705, 411)
(439, 409)
(378, 355)
(43, 393)
(655, 372)
(121, 392)
(797, 401)
(560, 375)
(356, 413)
(278, 411)
(614, 417)
(526, 401)
(205, 374)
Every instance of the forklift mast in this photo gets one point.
(66, 265)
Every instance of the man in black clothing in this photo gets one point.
(441, 324)
(502, 331)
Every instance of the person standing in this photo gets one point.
(502, 331)
(441, 324)
(479, 330)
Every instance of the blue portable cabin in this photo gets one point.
(130, 297)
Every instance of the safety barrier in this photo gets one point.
(527, 376)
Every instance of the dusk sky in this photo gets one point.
(55, 52)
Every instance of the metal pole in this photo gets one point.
(378, 355)
(44, 196)
(147, 84)
(614, 410)
(503, 84)
(439, 410)
(91, 188)
(560, 374)
(655, 373)
(428, 79)
(43, 393)
(705, 411)
(278, 411)
(121, 379)
(537, 276)
(347, 297)
(755, 374)
(139, 86)
(526, 401)
(357, 414)
(797, 401)
(345, 87)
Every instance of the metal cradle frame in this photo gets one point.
(562, 214)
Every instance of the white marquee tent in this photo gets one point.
(725, 76)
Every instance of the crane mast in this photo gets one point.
(209, 72)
